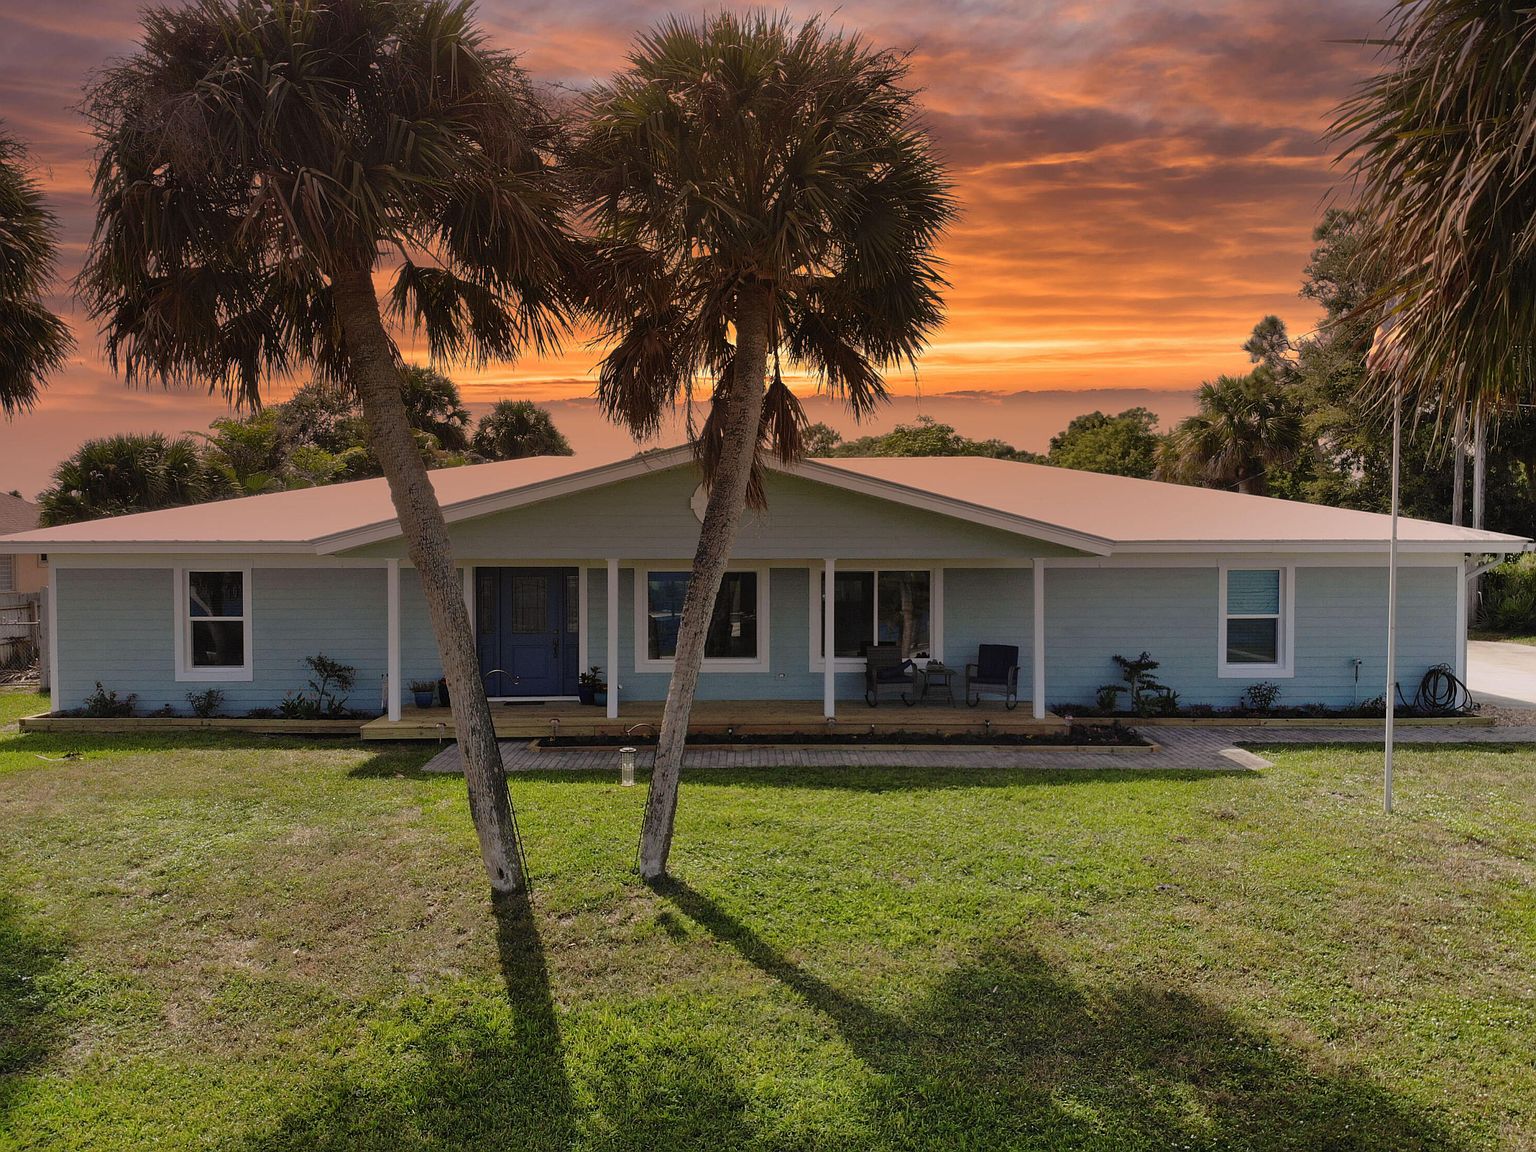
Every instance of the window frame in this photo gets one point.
(9, 577)
(712, 664)
(818, 660)
(186, 671)
(1285, 626)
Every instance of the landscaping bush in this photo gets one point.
(1508, 597)
(102, 703)
(328, 680)
(206, 705)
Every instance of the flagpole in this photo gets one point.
(1397, 438)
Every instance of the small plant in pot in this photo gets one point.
(424, 692)
(589, 684)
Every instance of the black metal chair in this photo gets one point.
(996, 673)
(885, 669)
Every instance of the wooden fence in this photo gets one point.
(21, 631)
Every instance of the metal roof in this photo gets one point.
(1107, 514)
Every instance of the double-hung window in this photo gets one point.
(737, 636)
(1255, 622)
(884, 606)
(213, 624)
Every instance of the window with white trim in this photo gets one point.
(881, 606)
(1255, 637)
(213, 625)
(737, 636)
(7, 573)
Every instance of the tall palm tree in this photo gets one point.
(759, 192)
(33, 341)
(1441, 148)
(1244, 426)
(131, 472)
(258, 160)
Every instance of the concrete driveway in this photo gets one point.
(1501, 673)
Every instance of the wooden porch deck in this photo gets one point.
(744, 717)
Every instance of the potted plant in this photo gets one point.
(589, 684)
(423, 691)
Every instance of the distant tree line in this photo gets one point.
(317, 436)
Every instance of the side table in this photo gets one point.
(937, 675)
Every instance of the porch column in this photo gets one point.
(1037, 687)
(392, 676)
(613, 639)
(829, 661)
(582, 639)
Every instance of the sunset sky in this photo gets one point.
(1139, 182)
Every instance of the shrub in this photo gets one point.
(328, 679)
(102, 703)
(1508, 601)
(1147, 695)
(1261, 697)
(205, 704)
(423, 686)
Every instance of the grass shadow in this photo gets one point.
(1006, 1051)
(464, 1074)
(445, 1071)
(29, 1030)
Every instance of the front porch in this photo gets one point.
(743, 717)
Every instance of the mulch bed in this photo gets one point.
(1078, 736)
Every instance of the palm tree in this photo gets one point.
(433, 405)
(759, 192)
(1245, 425)
(1441, 147)
(33, 341)
(258, 159)
(131, 472)
(514, 429)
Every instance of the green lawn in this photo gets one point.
(14, 705)
(1506, 637)
(273, 945)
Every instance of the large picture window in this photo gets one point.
(886, 606)
(735, 629)
(1254, 618)
(213, 625)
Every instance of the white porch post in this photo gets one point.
(54, 680)
(583, 642)
(613, 639)
(828, 659)
(1037, 635)
(392, 581)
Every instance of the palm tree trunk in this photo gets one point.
(374, 369)
(722, 518)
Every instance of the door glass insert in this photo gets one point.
(530, 605)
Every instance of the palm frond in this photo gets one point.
(252, 149)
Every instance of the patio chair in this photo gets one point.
(884, 669)
(995, 673)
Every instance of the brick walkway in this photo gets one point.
(1181, 749)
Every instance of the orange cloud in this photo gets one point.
(1138, 180)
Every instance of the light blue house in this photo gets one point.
(566, 567)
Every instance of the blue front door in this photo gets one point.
(525, 630)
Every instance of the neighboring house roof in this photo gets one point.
(1095, 513)
(17, 515)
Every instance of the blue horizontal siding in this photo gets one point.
(1092, 614)
(117, 626)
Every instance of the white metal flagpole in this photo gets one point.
(1397, 440)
